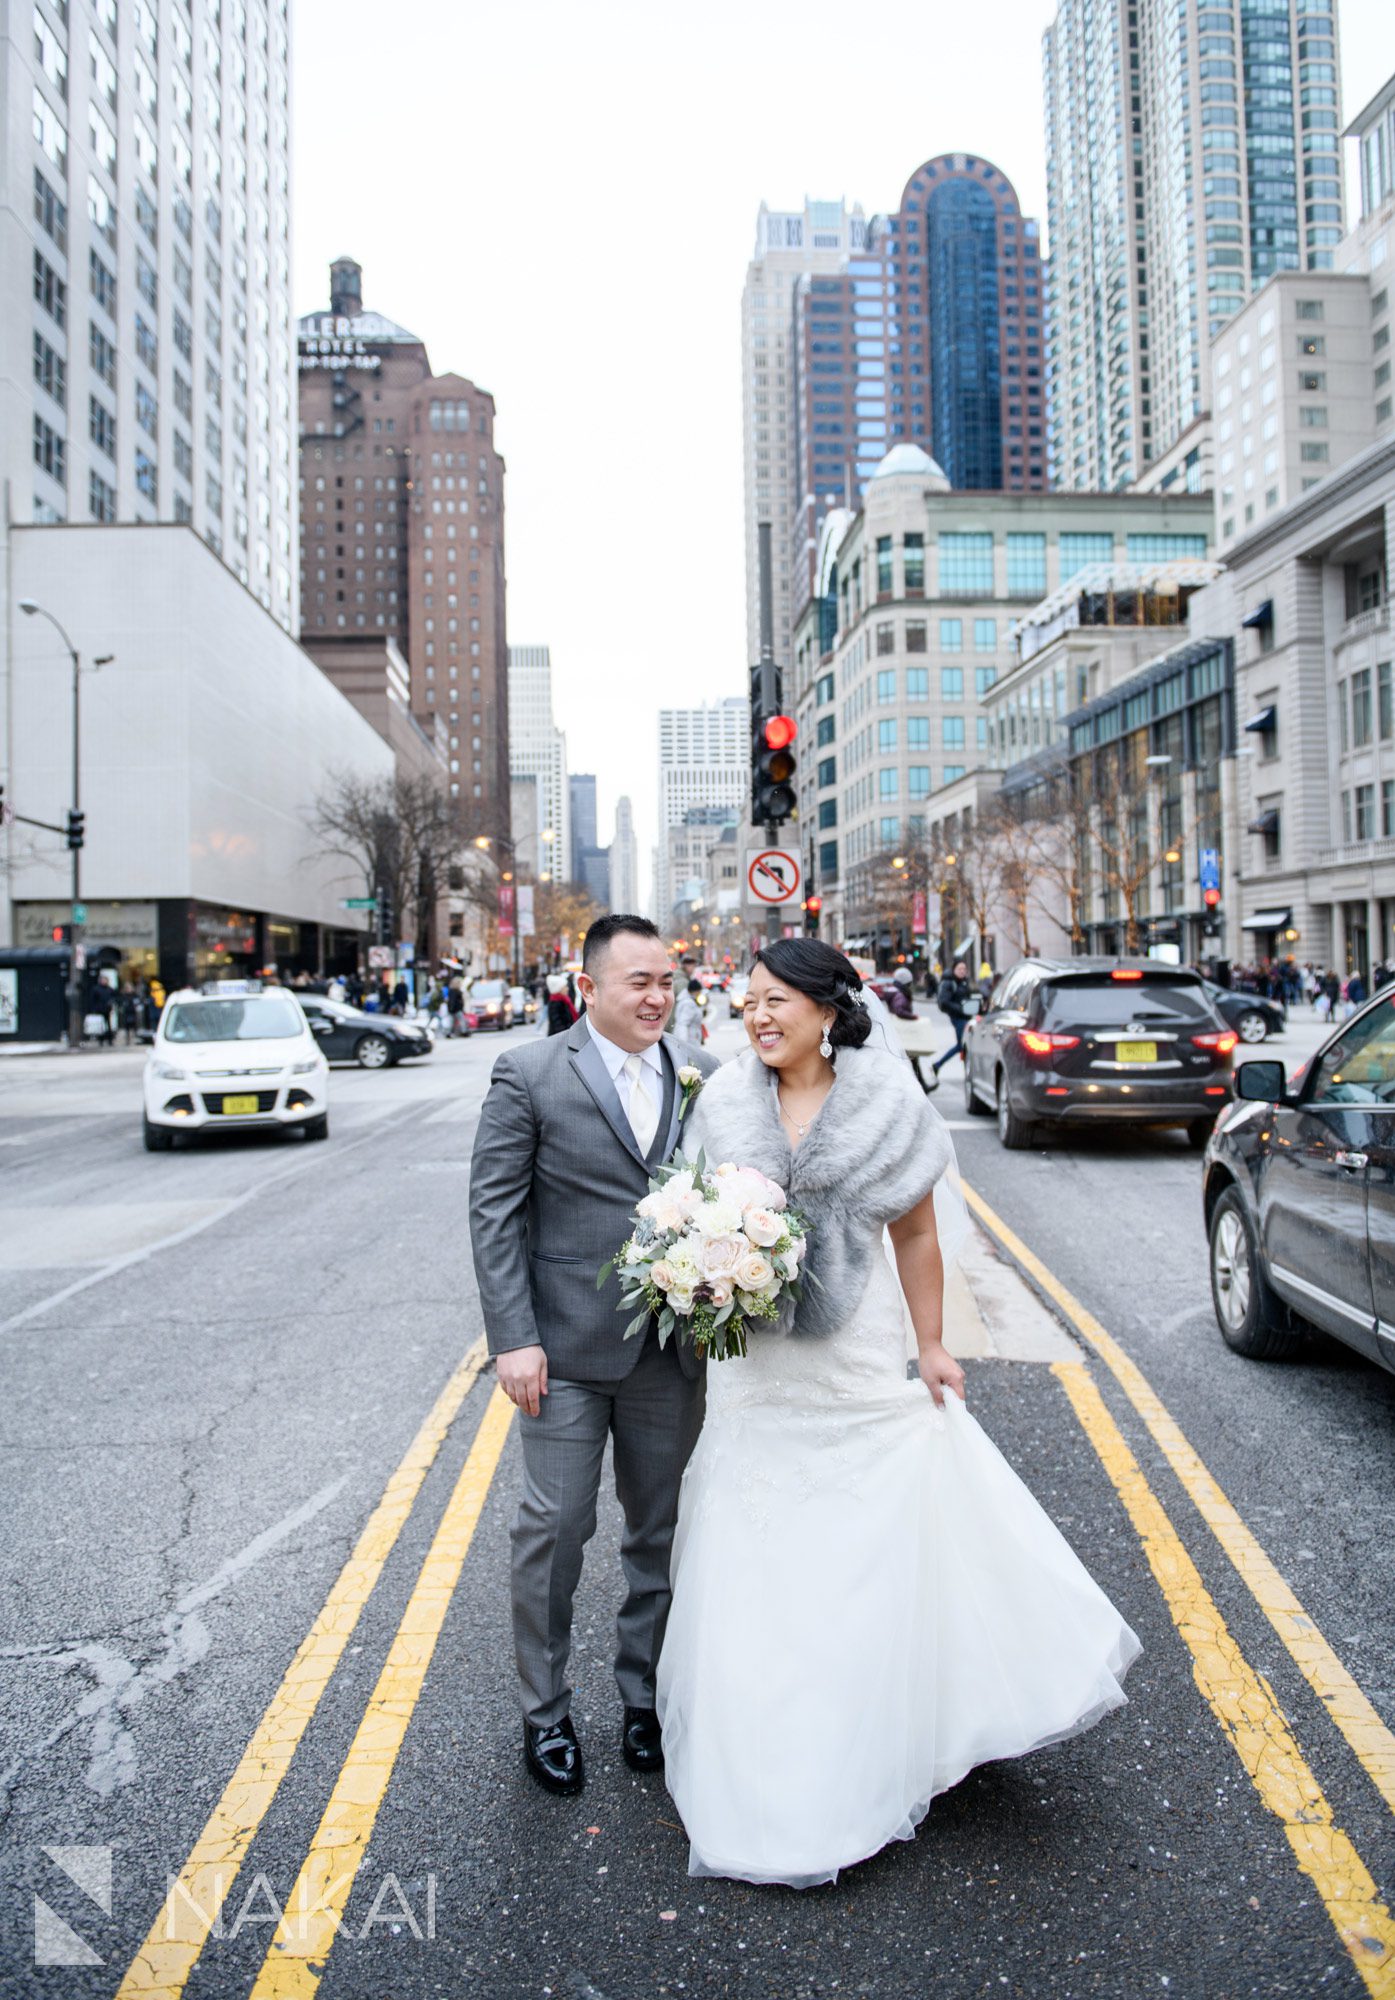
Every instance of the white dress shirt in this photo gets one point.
(615, 1058)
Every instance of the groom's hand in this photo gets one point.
(522, 1373)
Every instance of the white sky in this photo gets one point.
(560, 199)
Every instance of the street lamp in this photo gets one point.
(75, 834)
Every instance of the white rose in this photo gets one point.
(634, 1253)
(717, 1218)
(788, 1265)
(774, 1196)
(661, 1274)
(746, 1187)
(683, 1264)
(754, 1272)
(690, 1076)
(681, 1299)
(720, 1255)
(721, 1290)
(763, 1227)
(680, 1182)
(651, 1205)
(668, 1216)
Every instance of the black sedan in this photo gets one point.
(373, 1041)
(1252, 1016)
(1128, 1041)
(1299, 1197)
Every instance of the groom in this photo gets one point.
(571, 1130)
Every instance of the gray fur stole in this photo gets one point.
(875, 1149)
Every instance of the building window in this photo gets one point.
(883, 565)
(828, 771)
(50, 371)
(1308, 309)
(828, 861)
(916, 636)
(917, 683)
(886, 735)
(101, 498)
(1365, 815)
(147, 411)
(50, 452)
(823, 689)
(147, 478)
(1385, 701)
(823, 735)
(985, 635)
(886, 684)
(1313, 416)
(1078, 550)
(918, 781)
(102, 282)
(952, 732)
(1166, 548)
(952, 683)
(966, 565)
(918, 732)
(1026, 566)
(888, 784)
(1361, 708)
(1311, 344)
(953, 771)
(1387, 808)
(50, 213)
(1313, 454)
(951, 635)
(101, 426)
(886, 639)
(50, 291)
(984, 678)
(828, 813)
(147, 346)
(913, 564)
(889, 831)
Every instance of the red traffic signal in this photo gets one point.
(779, 731)
(813, 904)
(1211, 897)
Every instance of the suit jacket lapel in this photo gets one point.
(675, 1116)
(589, 1065)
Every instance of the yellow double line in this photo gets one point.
(295, 1964)
(1241, 1699)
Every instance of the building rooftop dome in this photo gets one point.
(905, 461)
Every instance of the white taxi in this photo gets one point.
(233, 1055)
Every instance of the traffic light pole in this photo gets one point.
(769, 675)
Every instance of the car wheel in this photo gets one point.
(317, 1128)
(372, 1052)
(1014, 1132)
(972, 1104)
(157, 1138)
(1199, 1132)
(1252, 1027)
(1252, 1320)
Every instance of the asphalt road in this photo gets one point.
(216, 1364)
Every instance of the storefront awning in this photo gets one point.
(1265, 722)
(1268, 920)
(1267, 822)
(1262, 615)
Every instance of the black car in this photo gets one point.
(1077, 1040)
(1252, 1016)
(373, 1041)
(1298, 1188)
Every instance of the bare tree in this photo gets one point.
(404, 837)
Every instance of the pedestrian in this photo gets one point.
(127, 1004)
(337, 990)
(1356, 993)
(687, 1025)
(455, 1005)
(898, 997)
(953, 998)
(561, 1014)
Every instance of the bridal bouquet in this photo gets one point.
(712, 1249)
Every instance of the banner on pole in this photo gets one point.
(506, 909)
(918, 914)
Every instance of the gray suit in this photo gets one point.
(554, 1182)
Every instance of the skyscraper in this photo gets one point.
(929, 333)
(403, 526)
(624, 859)
(581, 791)
(538, 751)
(147, 361)
(788, 245)
(704, 760)
(1192, 151)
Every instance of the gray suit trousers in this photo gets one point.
(652, 1416)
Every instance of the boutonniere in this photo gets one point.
(690, 1083)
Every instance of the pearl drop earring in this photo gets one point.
(825, 1046)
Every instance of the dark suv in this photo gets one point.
(1075, 1040)
(1299, 1191)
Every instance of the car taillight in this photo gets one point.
(1223, 1040)
(1125, 972)
(1038, 1044)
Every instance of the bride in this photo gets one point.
(867, 1601)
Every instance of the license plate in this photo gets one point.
(1140, 1052)
(234, 1107)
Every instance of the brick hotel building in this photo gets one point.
(402, 528)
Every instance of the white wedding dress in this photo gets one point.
(867, 1603)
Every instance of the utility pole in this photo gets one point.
(769, 677)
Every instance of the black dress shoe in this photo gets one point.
(642, 1740)
(553, 1755)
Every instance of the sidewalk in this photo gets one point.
(992, 1314)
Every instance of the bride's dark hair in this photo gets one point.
(830, 980)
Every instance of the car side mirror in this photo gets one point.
(320, 1026)
(1262, 1082)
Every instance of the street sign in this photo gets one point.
(1210, 868)
(773, 874)
(79, 913)
(358, 902)
(380, 957)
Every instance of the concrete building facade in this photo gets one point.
(402, 505)
(147, 358)
(624, 859)
(538, 751)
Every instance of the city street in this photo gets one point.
(257, 1485)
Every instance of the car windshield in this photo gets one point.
(1112, 1003)
(487, 989)
(233, 1021)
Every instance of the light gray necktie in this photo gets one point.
(643, 1112)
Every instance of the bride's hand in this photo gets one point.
(940, 1371)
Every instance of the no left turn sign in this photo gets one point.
(773, 874)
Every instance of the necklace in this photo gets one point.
(801, 1129)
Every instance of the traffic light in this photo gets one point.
(773, 796)
(76, 822)
(1211, 898)
(62, 933)
(812, 907)
(384, 913)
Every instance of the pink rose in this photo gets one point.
(720, 1255)
(763, 1227)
